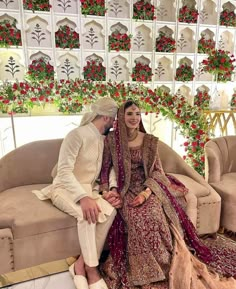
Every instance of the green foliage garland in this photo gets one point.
(70, 96)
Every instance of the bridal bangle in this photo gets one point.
(146, 193)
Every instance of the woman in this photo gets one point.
(146, 239)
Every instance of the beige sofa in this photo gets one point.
(221, 175)
(34, 232)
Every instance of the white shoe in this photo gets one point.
(80, 282)
(100, 284)
(72, 270)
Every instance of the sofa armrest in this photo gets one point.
(29, 164)
(174, 164)
(197, 189)
(213, 163)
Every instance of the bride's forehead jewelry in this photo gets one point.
(133, 107)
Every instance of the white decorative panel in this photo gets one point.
(40, 36)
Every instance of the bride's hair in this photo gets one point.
(130, 103)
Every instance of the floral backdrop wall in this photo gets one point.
(59, 52)
(133, 40)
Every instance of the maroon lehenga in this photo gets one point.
(153, 244)
(149, 241)
(150, 245)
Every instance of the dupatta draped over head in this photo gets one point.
(117, 155)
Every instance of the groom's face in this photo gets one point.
(108, 125)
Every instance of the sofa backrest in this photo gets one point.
(220, 157)
(31, 163)
(173, 163)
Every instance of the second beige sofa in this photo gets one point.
(221, 175)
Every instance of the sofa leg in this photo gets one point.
(6, 251)
(221, 230)
(209, 236)
(230, 234)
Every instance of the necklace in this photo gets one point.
(133, 136)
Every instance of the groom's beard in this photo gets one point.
(107, 130)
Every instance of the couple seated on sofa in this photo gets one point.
(138, 208)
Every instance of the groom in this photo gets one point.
(75, 191)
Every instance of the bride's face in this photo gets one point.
(132, 117)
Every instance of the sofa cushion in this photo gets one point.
(26, 215)
(194, 187)
(226, 187)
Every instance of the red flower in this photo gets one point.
(205, 46)
(220, 64)
(141, 72)
(9, 34)
(143, 10)
(94, 71)
(119, 41)
(93, 7)
(40, 69)
(164, 43)
(69, 36)
(184, 73)
(188, 15)
(228, 18)
(40, 5)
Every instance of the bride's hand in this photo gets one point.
(113, 198)
(137, 201)
(178, 190)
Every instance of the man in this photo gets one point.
(75, 191)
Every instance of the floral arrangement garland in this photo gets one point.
(184, 73)
(143, 10)
(70, 96)
(13, 97)
(164, 43)
(66, 37)
(205, 45)
(191, 124)
(220, 64)
(228, 18)
(9, 34)
(119, 41)
(94, 70)
(93, 7)
(39, 5)
(233, 101)
(40, 69)
(66, 99)
(141, 72)
(188, 15)
(202, 99)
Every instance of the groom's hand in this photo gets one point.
(90, 209)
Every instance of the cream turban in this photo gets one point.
(103, 106)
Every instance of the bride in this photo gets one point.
(153, 244)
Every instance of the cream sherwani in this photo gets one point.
(79, 166)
